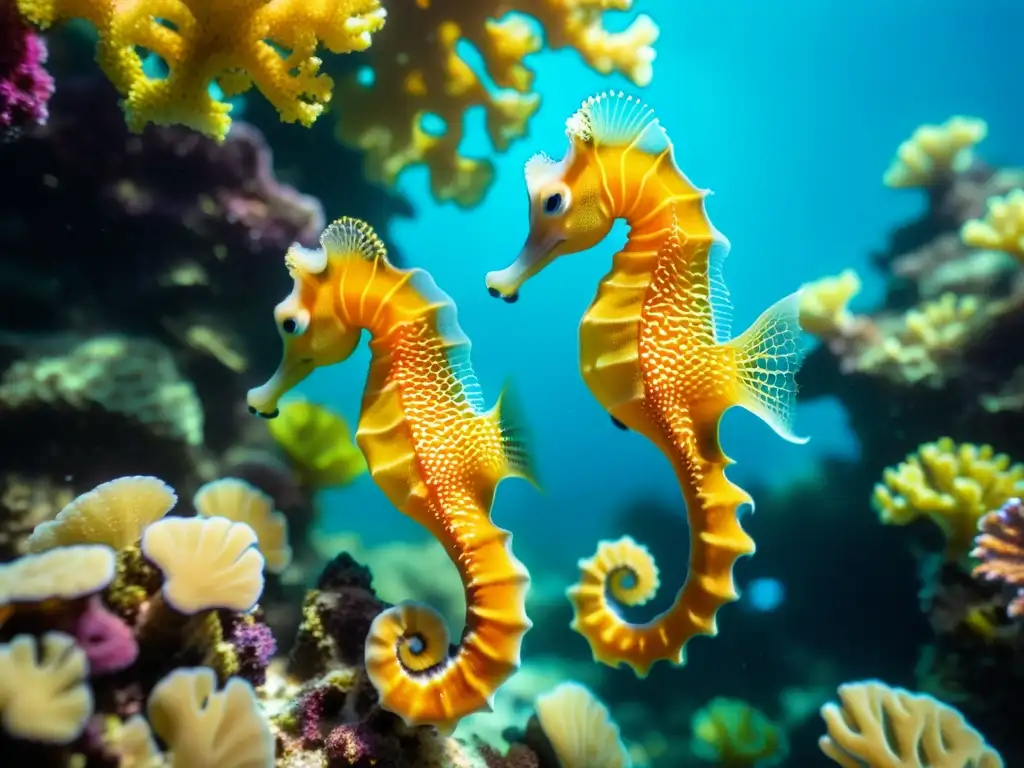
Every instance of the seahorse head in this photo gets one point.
(566, 215)
(312, 330)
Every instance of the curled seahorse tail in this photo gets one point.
(625, 572)
(407, 650)
(768, 356)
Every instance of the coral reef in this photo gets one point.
(945, 338)
(234, 45)
(25, 86)
(182, 230)
(407, 105)
(126, 624)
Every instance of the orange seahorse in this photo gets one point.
(655, 350)
(433, 449)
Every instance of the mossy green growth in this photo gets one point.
(135, 580)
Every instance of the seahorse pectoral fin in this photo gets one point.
(517, 460)
(768, 356)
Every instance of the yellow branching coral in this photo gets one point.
(44, 695)
(953, 485)
(733, 734)
(318, 444)
(824, 302)
(932, 332)
(207, 563)
(230, 42)
(203, 727)
(1002, 229)
(882, 727)
(934, 152)
(580, 729)
(420, 75)
(113, 513)
(237, 500)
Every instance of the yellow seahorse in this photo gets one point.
(655, 350)
(433, 449)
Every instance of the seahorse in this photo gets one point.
(656, 352)
(432, 448)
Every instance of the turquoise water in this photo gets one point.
(790, 112)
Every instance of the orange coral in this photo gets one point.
(420, 73)
(234, 43)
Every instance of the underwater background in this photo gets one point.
(143, 240)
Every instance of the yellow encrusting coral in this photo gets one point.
(882, 727)
(202, 727)
(732, 734)
(580, 729)
(207, 563)
(419, 76)
(232, 43)
(238, 501)
(1002, 229)
(113, 513)
(935, 152)
(318, 444)
(824, 304)
(44, 695)
(952, 484)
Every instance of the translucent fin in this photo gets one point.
(455, 341)
(613, 119)
(768, 355)
(352, 237)
(514, 436)
(312, 261)
(718, 291)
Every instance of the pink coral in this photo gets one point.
(108, 642)
(25, 86)
(1000, 547)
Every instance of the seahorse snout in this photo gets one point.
(511, 298)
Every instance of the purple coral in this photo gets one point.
(25, 85)
(1000, 547)
(254, 647)
(108, 642)
(353, 745)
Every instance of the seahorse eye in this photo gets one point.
(553, 203)
(290, 325)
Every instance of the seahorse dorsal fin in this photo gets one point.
(352, 237)
(613, 119)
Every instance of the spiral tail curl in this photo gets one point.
(407, 653)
